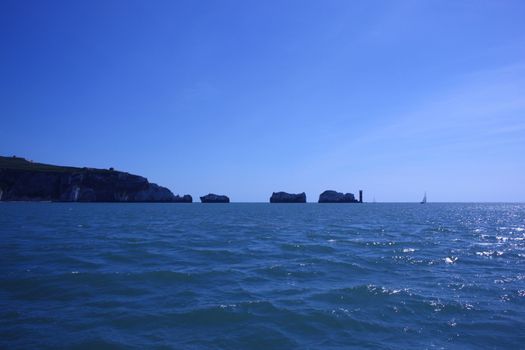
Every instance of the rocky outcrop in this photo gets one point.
(184, 199)
(22, 180)
(215, 198)
(283, 197)
(337, 197)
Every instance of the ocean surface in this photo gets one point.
(262, 276)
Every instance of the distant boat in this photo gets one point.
(424, 199)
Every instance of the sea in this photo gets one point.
(262, 276)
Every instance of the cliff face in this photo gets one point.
(283, 197)
(21, 180)
(337, 197)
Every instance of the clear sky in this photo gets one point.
(249, 97)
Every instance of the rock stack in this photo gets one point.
(283, 197)
(337, 197)
(214, 198)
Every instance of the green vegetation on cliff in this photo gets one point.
(18, 163)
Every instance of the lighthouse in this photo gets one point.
(360, 196)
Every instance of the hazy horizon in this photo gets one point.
(246, 98)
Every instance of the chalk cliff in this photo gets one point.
(23, 180)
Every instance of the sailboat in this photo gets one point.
(424, 199)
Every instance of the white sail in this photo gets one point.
(424, 199)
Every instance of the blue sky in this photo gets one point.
(249, 97)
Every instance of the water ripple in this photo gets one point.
(260, 276)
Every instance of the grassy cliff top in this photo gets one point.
(18, 163)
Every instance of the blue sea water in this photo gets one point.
(262, 276)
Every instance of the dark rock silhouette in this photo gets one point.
(337, 197)
(23, 180)
(283, 197)
(184, 199)
(215, 198)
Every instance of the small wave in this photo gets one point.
(359, 292)
(450, 259)
(281, 271)
(308, 248)
(490, 253)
